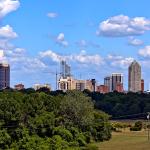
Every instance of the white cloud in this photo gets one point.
(84, 58)
(55, 57)
(1, 53)
(119, 61)
(61, 40)
(6, 32)
(52, 15)
(135, 42)
(81, 58)
(145, 52)
(120, 26)
(7, 6)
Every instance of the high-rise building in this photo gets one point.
(65, 69)
(117, 79)
(4, 75)
(108, 83)
(134, 77)
(142, 85)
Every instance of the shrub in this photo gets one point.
(64, 133)
(81, 139)
(57, 143)
(137, 126)
(91, 147)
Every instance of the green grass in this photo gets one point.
(127, 141)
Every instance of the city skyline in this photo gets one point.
(97, 38)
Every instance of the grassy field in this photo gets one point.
(127, 141)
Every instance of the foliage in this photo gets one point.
(137, 127)
(91, 147)
(122, 105)
(46, 120)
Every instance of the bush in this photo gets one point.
(137, 126)
(57, 143)
(64, 133)
(81, 139)
(91, 147)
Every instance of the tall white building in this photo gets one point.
(134, 77)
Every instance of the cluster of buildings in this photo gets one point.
(5, 79)
(115, 81)
(112, 83)
(66, 81)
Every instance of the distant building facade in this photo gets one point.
(80, 85)
(4, 75)
(108, 83)
(39, 86)
(69, 83)
(134, 77)
(142, 85)
(117, 82)
(19, 87)
(102, 89)
(119, 87)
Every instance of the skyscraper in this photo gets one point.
(134, 77)
(4, 75)
(65, 69)
(117, 81)
(108, 83)
(142, 85)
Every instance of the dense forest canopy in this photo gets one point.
(122, 105)
(50, 120)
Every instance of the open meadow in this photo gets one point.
(127, 140)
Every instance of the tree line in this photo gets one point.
(50, 120)
(122, 105)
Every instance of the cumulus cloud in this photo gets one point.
(55, 57)
(145, 52)
(119, 61)
(82, 57)
(61, 40)
(52, 15)
(7, 6)
(135, 42)
(6, 32)
(121, 25)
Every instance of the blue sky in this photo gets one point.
(96, 37)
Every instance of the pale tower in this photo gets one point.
(134, 77)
